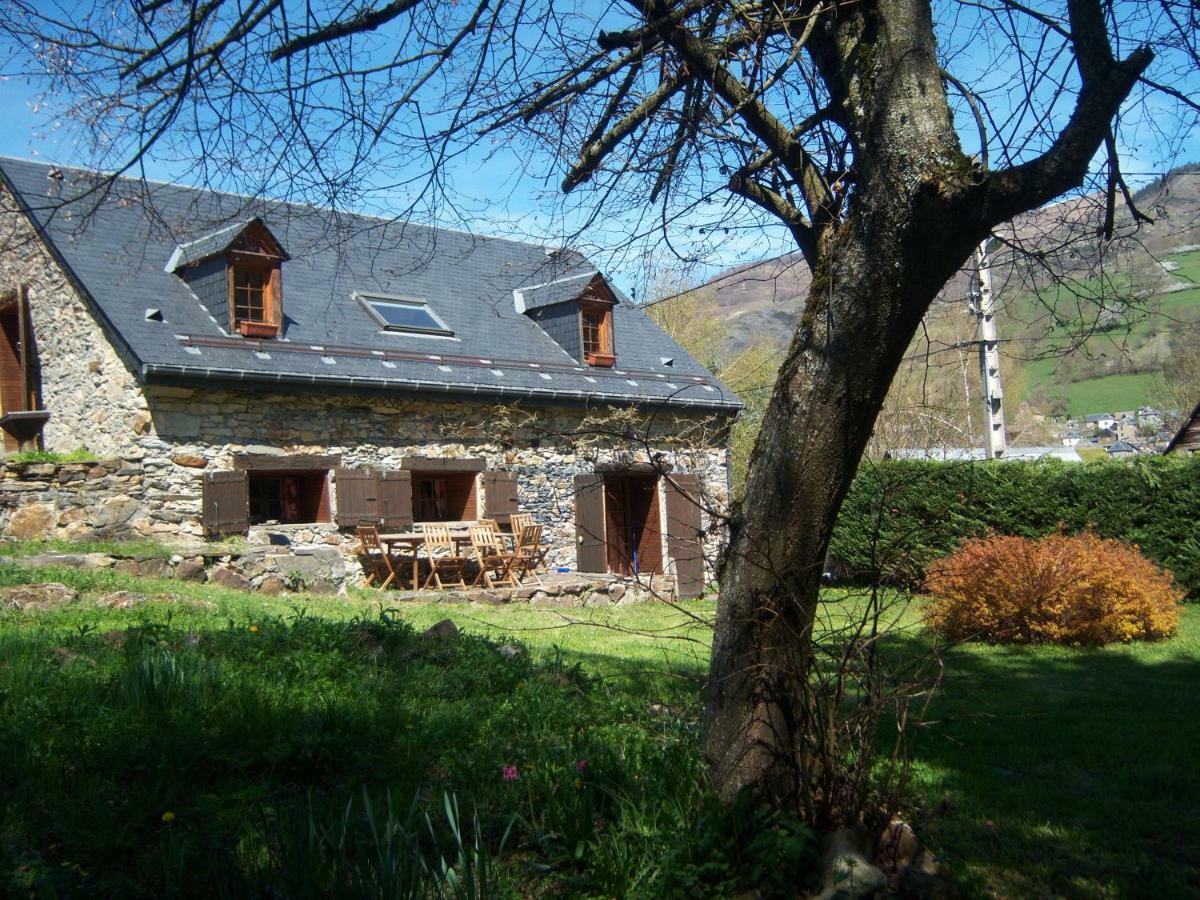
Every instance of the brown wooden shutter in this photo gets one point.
(395, 499)
(357, 496)
(590, 551)
(684, 540)
(499, 496)
(225, 503)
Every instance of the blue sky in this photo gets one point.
(503, 193)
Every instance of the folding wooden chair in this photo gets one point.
(525, 555)
(492, 557)
(443, 557)
(375, 559)
(522, 520)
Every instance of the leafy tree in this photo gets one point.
(831, 119)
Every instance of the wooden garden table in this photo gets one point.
(415, 540)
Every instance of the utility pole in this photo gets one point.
(995, 442)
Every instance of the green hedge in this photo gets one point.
(901, 515)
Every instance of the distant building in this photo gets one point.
(1122, 450)
(1100, 421)
(960, 454)
(1149, 417)
(1072, 438)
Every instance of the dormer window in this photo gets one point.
(254, 296)
(236, 272)
(597, 333)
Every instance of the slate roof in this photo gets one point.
(121, 256)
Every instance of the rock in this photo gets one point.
(228, 578)
(140, 423)
(113, 512)
(121, 600)
(453, 598)
(96, 472)
(65, 657)
(31, 523)
(510, 651)
(70, 560)
(522, 593)
(554, 601)
(126, 566)
(443, 630)
(897, 846)
(926, 879)
(616, 592)
(597, 599)
(191, 569)
(848, 873)
(272, 584)
(44, 595)
(189, 460)
(485, 598)
(154, 567)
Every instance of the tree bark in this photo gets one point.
(916, 213)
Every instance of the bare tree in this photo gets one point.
(832, 119)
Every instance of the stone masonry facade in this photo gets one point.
(153, 443)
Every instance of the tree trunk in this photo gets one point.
(915, 214)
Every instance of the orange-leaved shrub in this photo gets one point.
(1079, 589)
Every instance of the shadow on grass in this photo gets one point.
(226, 758)
(1065, 772)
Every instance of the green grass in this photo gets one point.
(259, 722)
(79, 454)
(1110, 392)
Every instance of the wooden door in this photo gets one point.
(633, 526)
(589, 523)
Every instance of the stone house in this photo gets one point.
(286, 373)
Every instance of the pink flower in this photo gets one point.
(510, 773)
(581, 765)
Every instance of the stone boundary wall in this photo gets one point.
(73, 501)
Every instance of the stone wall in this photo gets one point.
(88, 387)
(100, 499)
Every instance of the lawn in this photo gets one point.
(231, 744)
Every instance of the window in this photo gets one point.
(254, 296)
(288, 498)
(444, 497)
(399, 314)
(596, 330)
(249, 289)
(253, 261)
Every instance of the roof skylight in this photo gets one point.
(404, 315)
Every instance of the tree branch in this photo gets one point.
(367, 20)
(1106, 82)
(778, 206)
(594, 152)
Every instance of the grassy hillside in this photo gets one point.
(1086, 347)
(1150, 293)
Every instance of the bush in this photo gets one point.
(1056, 589)
(900, 516)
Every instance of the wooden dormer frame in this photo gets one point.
(598, 301)
(256, 251)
